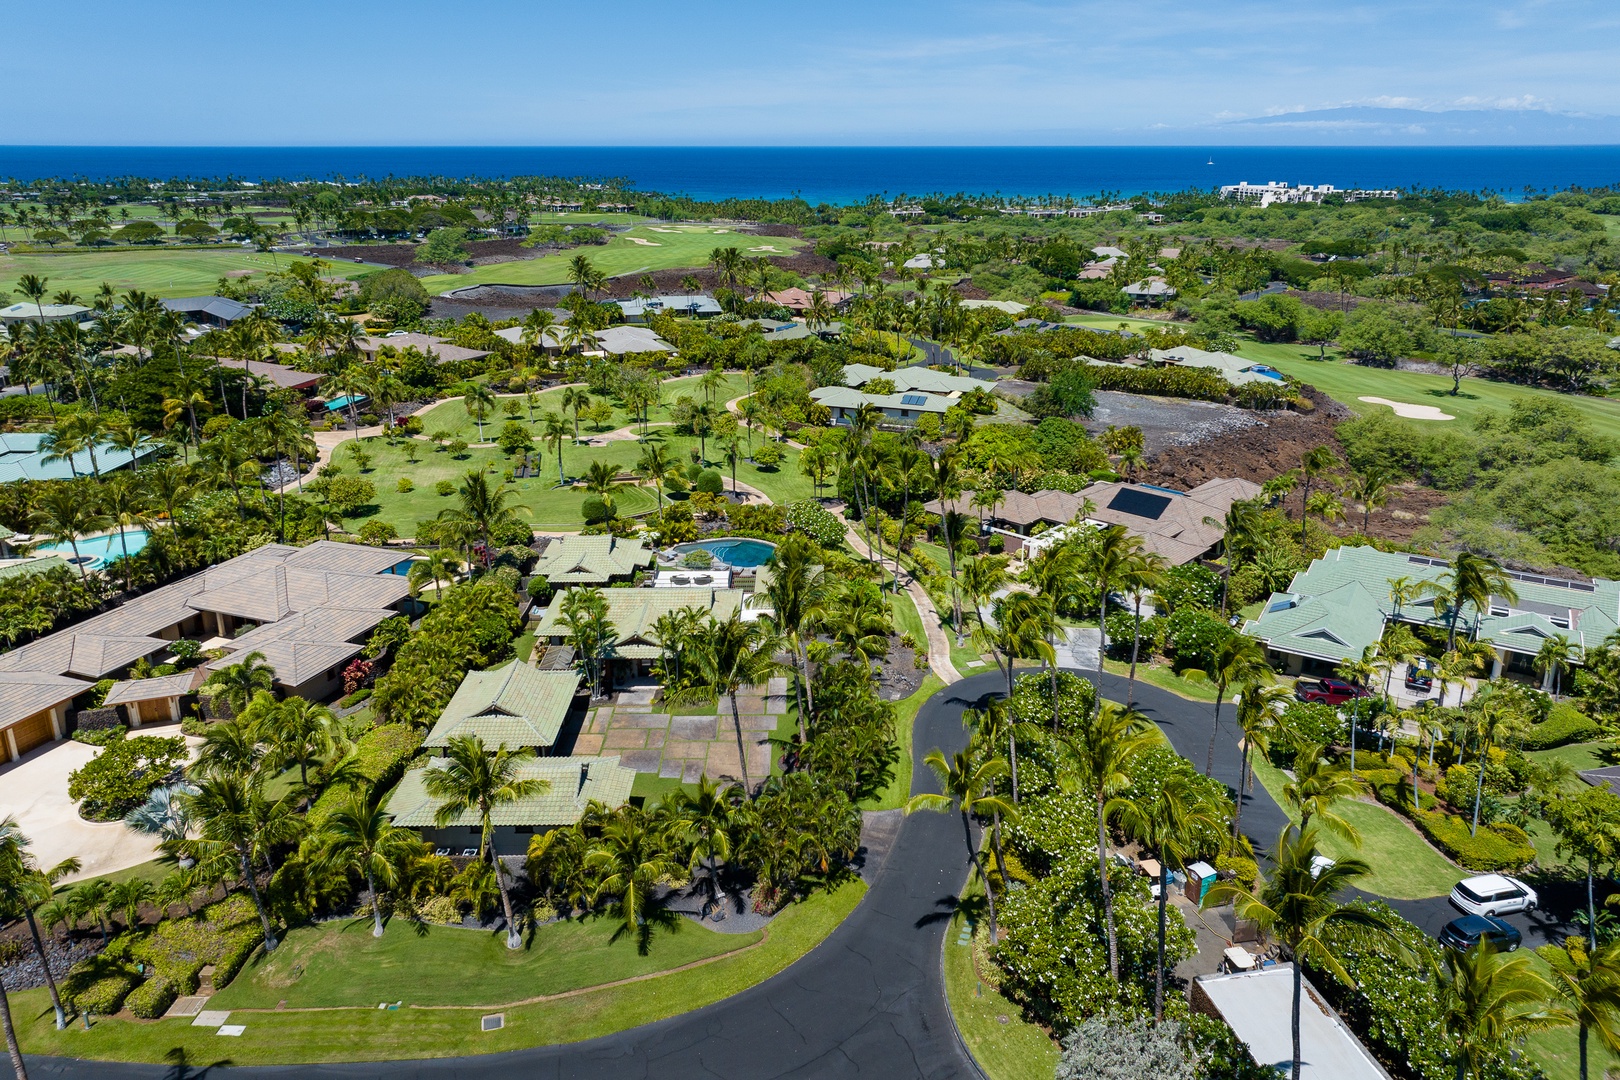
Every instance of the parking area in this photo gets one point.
(34, 791)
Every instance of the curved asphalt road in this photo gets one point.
(870, 1000)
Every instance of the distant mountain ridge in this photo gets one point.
(1476, 127)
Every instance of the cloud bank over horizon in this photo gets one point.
(998, 72)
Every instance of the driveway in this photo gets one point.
(34, 791)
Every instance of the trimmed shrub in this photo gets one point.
(382, 754)
(405, 485)
(809, 517)
(1489, 849)
(595, 510)
(152, 998)
(710, 482)
(1564, 725)
(100, 736)
(444, 487)
(350, 700)
(103, 996)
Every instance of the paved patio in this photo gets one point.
(650, 739)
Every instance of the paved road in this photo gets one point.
(869, 1001)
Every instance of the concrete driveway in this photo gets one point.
(34, 791)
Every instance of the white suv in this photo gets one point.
(1493, 894)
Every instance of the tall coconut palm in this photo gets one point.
(584, 614)
(436, 566)
(1370, 488)
(969, 789)
(657, 467)
(1318, 784)
(1496, 719)
(12, 1048)
(25, 886)
(237, 684)
(555, 433)
(1490, 1001)
(359, 835)
(481, 509)
(1236, 660)
(1589, 984)
(1318, 461)
(1168, 820)
(1295, 907)
(981, 577)
(630, 859)
(1142, 573)
(1102, 756)
(1258, 709)
(125, 503)
(1111, 555)
(947, 485)
(578, 399)
(302, 733)
(704, 819)
(1553, 661)
(798, 592)
(602, 480)
(1472, 580)
(1017, 630)
(479, 401)
(228, 813)
(471, 782)
(66, 513)
(730, 654)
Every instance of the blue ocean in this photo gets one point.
(849, 174)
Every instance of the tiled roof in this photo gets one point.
(1178, 533)
(24, 693)
(574, 782)
(296, 662)
(323, 624)
(513, 704)
(591, 560)
(155, 689)
(630, 339)
(846, 397)
(921, 379)
(437, 346)
(281, 375)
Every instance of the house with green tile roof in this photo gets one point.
(1340, 604)
(513, 705)
(634, 613)
(571, 784)
(592, 560)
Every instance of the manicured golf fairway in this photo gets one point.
(646, 247)
(164, 273)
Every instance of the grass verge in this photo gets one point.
(372, 1034)
(1164, 679)
(1404, 866)
(1006, 1046)
(905, 714)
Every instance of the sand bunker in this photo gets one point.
(767, 247)
(1410, 411)
(642, 242)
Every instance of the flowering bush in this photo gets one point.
(807, 516)
(356, 675)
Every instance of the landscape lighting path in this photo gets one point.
(868, 1001)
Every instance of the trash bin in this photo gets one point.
(1200, 876)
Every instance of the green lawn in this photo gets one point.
(643, 248)
(164, 273)
(905, 715)
(372, 1034)
(342, 964)
(154, 872)
(1164, 678)
(1404, 866)
(546, 504)
(1006, 1046)
(1558, 1051)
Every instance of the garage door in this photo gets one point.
(35, 731)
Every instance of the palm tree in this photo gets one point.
(1472, 579)
(584, 613)
(237, 684)
(1296, 907)
(630, 859)
(656, 467)
(730, 654)
(556, 431)
(359, 835)
(1258, 709)
(472, 780)
(1236, 660)
(947, 486)
(1142, 573)
(578, 399)
(1317, 461)
(1108, 559)
(1491, 1000)
(1167, 821)
(228, 813)
(66, 513)
(1496, 719)
(602, 479)
(1370, 488)
(25, 887)
(705, 819)
(584, 275)
(124, 503)
(981, 577)
(303, 733)
(17, 1066)
(1317, 785)
(1102, 756)
(859, 620)
(480, 510)
(798, 592)
(969, 789)
(62, 443)
(478, 399)
(1589, 983)
(437, 565)
(1017, 630)
(33, 287)
(1554, 659)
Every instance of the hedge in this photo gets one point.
(152, 998)
(224, 934)
(1565, 724)
(99, 985)
(1489, 849)
(383, 752)
(1197, 384)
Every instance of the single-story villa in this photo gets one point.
(216, 311)
(22, 457)
(633, 613)
(797, 299)
(28, 311)
(1259, 1005)
(1178, 526)
(917, 391)
(1149, 291)
(513, 705)
(306, 609)
(592, 560)
(636, 309)
(571, 783)
(281, 375)
(1234, 369)
(617, 340)
(1340, 604)
(436, 347)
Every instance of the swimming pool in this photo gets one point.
(739, 552)
(96, 552)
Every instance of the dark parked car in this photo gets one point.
(1328, 691)
(1464, 933)
(1420, 679)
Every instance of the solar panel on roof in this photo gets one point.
(914, 399)
(1140, 504)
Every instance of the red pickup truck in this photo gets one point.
(1329, 691)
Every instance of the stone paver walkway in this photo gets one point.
(650, 739)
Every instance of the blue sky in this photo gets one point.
(484, 72)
